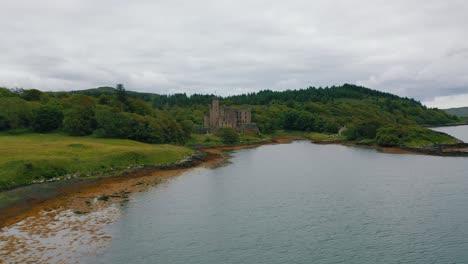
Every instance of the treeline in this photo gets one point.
(329, 117)
(160, 101)
(114, 112)
(114, 115)
(311, 94)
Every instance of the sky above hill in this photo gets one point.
(414, 48)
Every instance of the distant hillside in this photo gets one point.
(459, 111)
(312, 108)
(157, 118)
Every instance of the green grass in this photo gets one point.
(204, 140)
(281, 133)
(412, 136)
(27, 158)
(212, 140)
(324, 137)
(309, 135)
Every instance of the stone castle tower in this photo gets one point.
(222, 116)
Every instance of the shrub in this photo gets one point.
(4, 124)
(47, 119)
(228, 136)
(78, 122)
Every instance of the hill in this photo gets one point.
(154, 118)
(459, 111)
(52, 134)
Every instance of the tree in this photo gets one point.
(17, 112)
(228, 136)
(79, 122)
(187, 127)
(4, 124)
(31, 95)
(121, 93)
(47, 119)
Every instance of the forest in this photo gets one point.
(114, 112)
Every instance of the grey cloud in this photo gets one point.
(412, 48)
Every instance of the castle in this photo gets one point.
(222, 116)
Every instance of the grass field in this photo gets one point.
(212, 140)
(33, 157)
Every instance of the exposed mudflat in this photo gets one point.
(73, 223)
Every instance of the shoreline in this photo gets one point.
(82, 210)
(205, 156)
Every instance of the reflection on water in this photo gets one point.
(460, 132)
(301, 203)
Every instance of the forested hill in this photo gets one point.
(310, 94)
(117, 113)
(325, 109)
(459, 111)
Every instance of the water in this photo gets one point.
(301, 203)
(460, 132)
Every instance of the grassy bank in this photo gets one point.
(212, 140)
(29, 158)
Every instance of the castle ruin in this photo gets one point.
(222, 116)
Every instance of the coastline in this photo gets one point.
(206, 156)
(95, 203)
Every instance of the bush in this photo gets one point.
(77, 122)
(4, 124)
(363, 130)
(411, 136)
(388, 140)
(17, 112)
(47, 119)
(228, 136)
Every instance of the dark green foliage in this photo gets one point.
(31, 95)
(78, 122)
(114, 124)
(17, 112)
(4, 92)
(411, 136)
(121, 93)
(388, 140)
(187, 127)
(363, 130)
(228, 136)
(79, 119)
(47, 119)
(111, 123)
(301, 120)
(145, 129)
(460, 111)
(4, 124)
(117, 113)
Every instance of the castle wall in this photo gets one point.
(221, 116)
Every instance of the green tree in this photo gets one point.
(79, 122)
(4, 124)
(31, 95)
(228, 136)
(121, 93)
(187, 127)
(18, 112)
(47, 119)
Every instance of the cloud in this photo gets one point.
(459, 100)
(412, 48)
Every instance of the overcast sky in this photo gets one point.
(414, 48)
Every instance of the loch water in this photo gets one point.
(301, 203)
